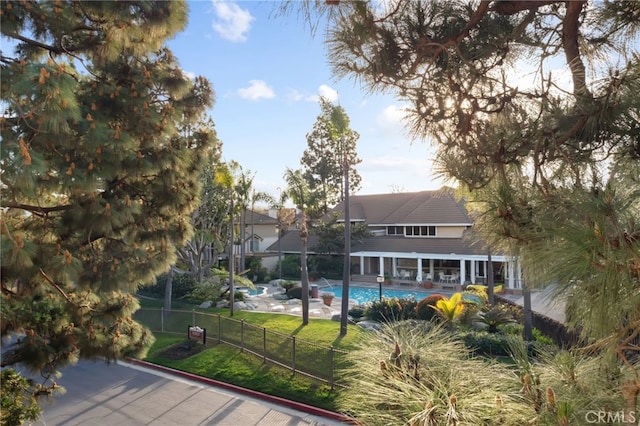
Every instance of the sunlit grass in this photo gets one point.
(230, 365)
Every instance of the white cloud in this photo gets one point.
(257, 89)
(391, 119)
(294, 95)
(385, 173)
(324, 91)
(233, 22)
(327, 93)
(188, 74)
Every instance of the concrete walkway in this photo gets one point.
(101, 394)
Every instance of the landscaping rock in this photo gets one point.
(370, 325)
(205, 305)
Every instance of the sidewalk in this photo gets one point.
(135, 394)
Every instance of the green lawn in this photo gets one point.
(225, 363)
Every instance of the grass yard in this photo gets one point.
(228, 364)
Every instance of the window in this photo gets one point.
(395, 230)
(420, 231)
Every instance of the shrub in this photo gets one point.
(356, 312)
(425, 309)
(296, 293)
(288, 285)
(485, 343)
(494, 317)
(290, 266)
(181, 286)
(206, 290)
(254, 264)
(389, 310)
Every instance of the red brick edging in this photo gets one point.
(255, 394)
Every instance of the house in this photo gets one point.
(418, 236)
(261, 232)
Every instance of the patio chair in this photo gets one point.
(441, 277)
(454, 277)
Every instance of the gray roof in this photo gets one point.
(259, 218)
(407, 208)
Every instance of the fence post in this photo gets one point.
(332, 366)
(293, 355)
(241, 335)
(162, 319)
(219, 328)
(264, 344)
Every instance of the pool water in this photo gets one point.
(365, 294)
(251, 291)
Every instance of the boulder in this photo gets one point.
(205, 305)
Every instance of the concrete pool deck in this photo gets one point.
(273, 300)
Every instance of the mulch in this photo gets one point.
(182, 350)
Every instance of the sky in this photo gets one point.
(268, 72)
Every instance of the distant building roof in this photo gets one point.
(406, 208)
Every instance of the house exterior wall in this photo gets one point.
(450, 231)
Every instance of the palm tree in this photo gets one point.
(285, 217)
(224, 176)
(303, 197)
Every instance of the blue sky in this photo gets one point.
(267, 72)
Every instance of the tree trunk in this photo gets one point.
(168, 290)
(243, 243)
(232, 290)
(304, 270)
(490, 283)
(528, 320)
(346, 273)
(630, 391)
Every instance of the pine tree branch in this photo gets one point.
(56, 286)
(46, 47)
(512, 7)
(570, 26)
(35, 209)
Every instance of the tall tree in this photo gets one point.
(227, 177)
(285, 217)
(330, 143)
(305, 201)
(98, 183)
(549, 161)
(209, 221)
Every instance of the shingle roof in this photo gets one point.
(411, 208)
(259, 218)
(407, 208)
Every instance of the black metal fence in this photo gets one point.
(299, 356)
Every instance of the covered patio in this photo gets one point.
(449, 268)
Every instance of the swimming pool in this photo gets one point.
(366, 294)
(252, 292)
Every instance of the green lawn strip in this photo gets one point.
(230, 365)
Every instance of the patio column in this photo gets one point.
(518, 273)
(361, 265)
(419, 270)
(511, 273)
(473, 271)
(381, 265)
(432, 269)
(463, 272)
(394, 266)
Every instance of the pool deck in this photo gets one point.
(273, 300)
